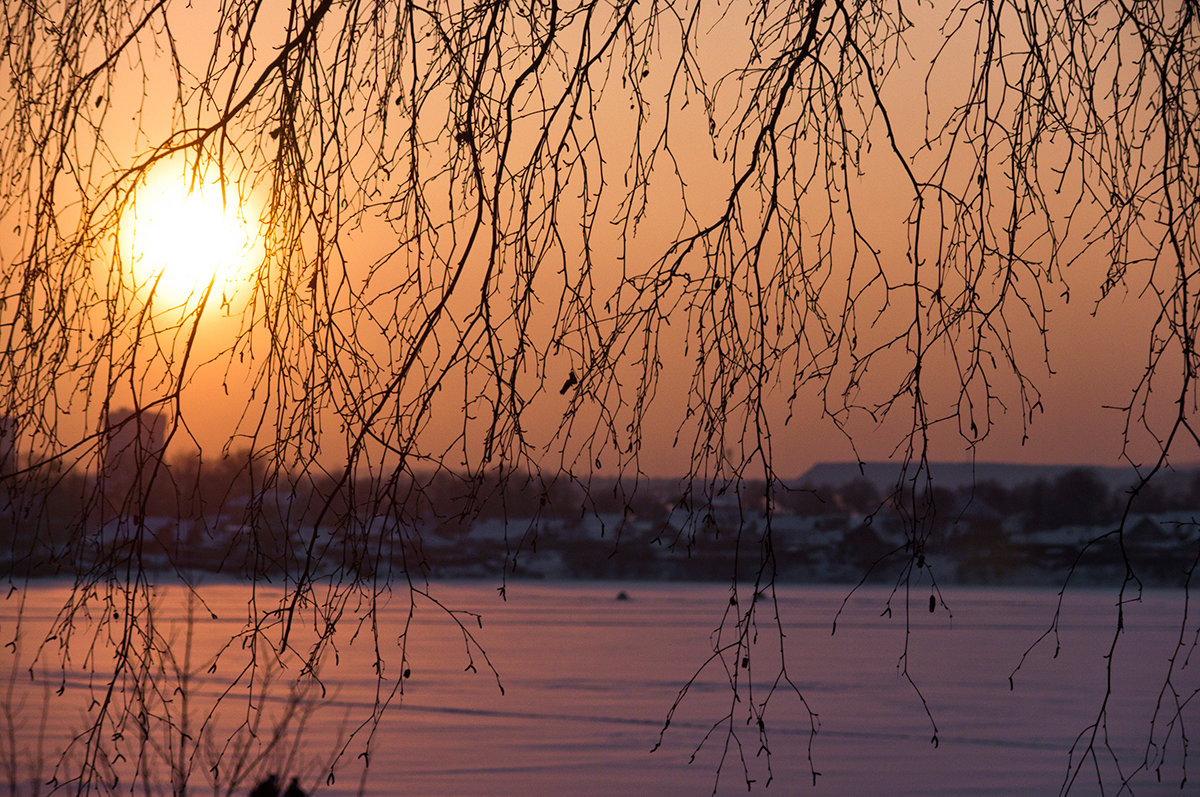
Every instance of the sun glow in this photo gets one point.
(182, 234)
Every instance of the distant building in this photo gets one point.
(9, 428)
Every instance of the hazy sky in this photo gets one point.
(376, 285)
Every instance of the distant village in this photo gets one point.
(979, 524)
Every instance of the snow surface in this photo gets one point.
(588, 681)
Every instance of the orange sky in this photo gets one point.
(1096, 360)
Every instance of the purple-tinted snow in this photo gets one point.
(589, 679)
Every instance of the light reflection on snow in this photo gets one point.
(588, 681)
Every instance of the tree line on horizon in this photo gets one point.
(194, 505)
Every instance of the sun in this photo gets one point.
(182, 233)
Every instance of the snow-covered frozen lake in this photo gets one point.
(588, 681)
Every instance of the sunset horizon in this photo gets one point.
(479, 396)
